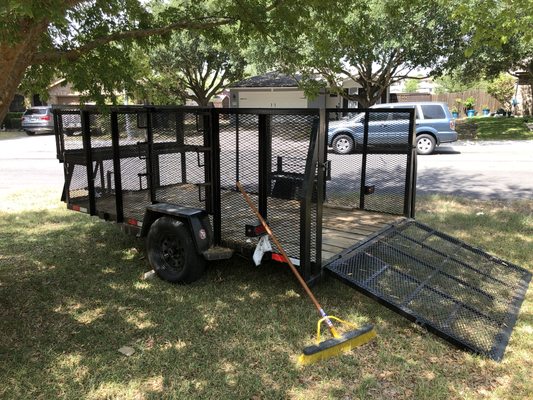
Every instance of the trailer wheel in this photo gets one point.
(172, 253)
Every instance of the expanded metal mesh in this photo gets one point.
(291, 138)
(461, 293)
(134, 165)
(239, 161)
(373, 175)
(283, 149)
(102, 163)
(181, 157)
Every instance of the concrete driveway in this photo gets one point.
(490, 170)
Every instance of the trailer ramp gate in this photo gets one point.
(454, 290)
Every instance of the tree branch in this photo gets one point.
(73, 54)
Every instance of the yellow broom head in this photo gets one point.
(335, 346)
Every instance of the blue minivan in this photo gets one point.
(434, 125)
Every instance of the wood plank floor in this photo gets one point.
(341, 228)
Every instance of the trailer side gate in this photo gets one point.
(348, 215)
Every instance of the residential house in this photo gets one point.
(277, 90)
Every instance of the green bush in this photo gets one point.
(12, 120)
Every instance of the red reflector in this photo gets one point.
(131, 221)
(45, 118)
(278, 257)
(76, 208)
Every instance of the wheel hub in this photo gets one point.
(343, 145)
(424, 144)
(172, 253)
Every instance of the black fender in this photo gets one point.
(196, 220)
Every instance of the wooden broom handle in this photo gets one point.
(280, 247)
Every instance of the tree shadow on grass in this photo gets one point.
(71, 296)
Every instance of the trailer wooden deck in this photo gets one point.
(341, 227)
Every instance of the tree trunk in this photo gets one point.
(16, 57)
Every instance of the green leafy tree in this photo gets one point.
(193, 65)
(411, 85)
(500, 38)
(456, 82)
(90, 41)
(502, 89)
(373, 43)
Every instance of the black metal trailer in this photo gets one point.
(169, 174)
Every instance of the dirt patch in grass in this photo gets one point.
(466, 129)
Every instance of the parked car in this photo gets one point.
(434, 125)
(38, 120)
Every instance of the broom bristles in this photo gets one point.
(333, 347)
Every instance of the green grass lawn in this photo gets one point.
(71, 295)
(486, 128)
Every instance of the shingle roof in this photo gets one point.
(270, 79)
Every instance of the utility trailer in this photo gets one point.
(169, 174)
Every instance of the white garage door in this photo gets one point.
(285, 99)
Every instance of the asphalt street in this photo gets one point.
(490, 170)
(486, 170)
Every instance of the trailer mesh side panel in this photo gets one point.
(180, 157)
(285, 148)
(291, 136)
(69, 134)
(372, 177)
(461, 293)
(133, 165)
(102, 168)
(239, 161)
(344, 187)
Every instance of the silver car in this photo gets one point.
(38, 120)
(434, 125)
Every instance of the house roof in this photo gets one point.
(270, 79)
(57, 82)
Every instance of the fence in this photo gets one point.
(481, 98)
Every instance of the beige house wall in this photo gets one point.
(62, 94)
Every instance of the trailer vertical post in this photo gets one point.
(152, 164)
(86, 136)
(364, 161)
(215, 177)
(321, 185)
(206, 118)
(180, 140)
(410, 171)
(265, 162)
(116, 167)
(237, 154)
(305, 206)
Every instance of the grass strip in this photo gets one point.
(487, 128)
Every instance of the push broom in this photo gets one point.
(339, 343)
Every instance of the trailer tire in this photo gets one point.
(172, 253)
